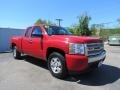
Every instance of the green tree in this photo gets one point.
(40, 21)
(84, 24)
(82, 28)
(74, 29)
(93, 29)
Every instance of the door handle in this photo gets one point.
(30, 41)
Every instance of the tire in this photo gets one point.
(57, 65)
(16, 53)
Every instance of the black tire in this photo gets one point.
(63, 72)
(16, 53)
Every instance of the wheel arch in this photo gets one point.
(52, 49)
(12, 45)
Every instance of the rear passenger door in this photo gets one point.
(37, 42)
(26, 42)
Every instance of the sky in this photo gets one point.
(23, 13)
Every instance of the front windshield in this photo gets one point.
(55, 30)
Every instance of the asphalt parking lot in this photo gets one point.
(32, 74)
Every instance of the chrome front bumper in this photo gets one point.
(97, 57)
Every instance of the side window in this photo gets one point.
(28, 32)
(37, 32)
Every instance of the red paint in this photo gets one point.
(76, 62)
(38, 47)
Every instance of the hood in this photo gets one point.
(76, 39)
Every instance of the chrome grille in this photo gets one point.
(94, 49)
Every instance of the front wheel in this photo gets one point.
(16, 53)
(57, 66)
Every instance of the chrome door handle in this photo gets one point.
(30, 41)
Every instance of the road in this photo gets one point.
(32, 74)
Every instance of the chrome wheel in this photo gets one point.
(55, 65)
(14, 52)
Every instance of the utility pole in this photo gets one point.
(59, 21)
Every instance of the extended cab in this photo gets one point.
(62, 51)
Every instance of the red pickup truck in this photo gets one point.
(63, 52)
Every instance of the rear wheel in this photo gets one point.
(16, 53)
(57, 66)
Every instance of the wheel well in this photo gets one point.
(13, 44)
(51, 50)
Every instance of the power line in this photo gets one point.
(107, 23)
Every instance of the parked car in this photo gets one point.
(63, 52)
(114, 40)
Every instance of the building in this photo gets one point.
(5, 35)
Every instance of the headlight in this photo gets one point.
(75, 48)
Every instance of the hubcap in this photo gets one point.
(56, 65)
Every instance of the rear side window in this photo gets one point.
(28, 32)
(37, 32)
